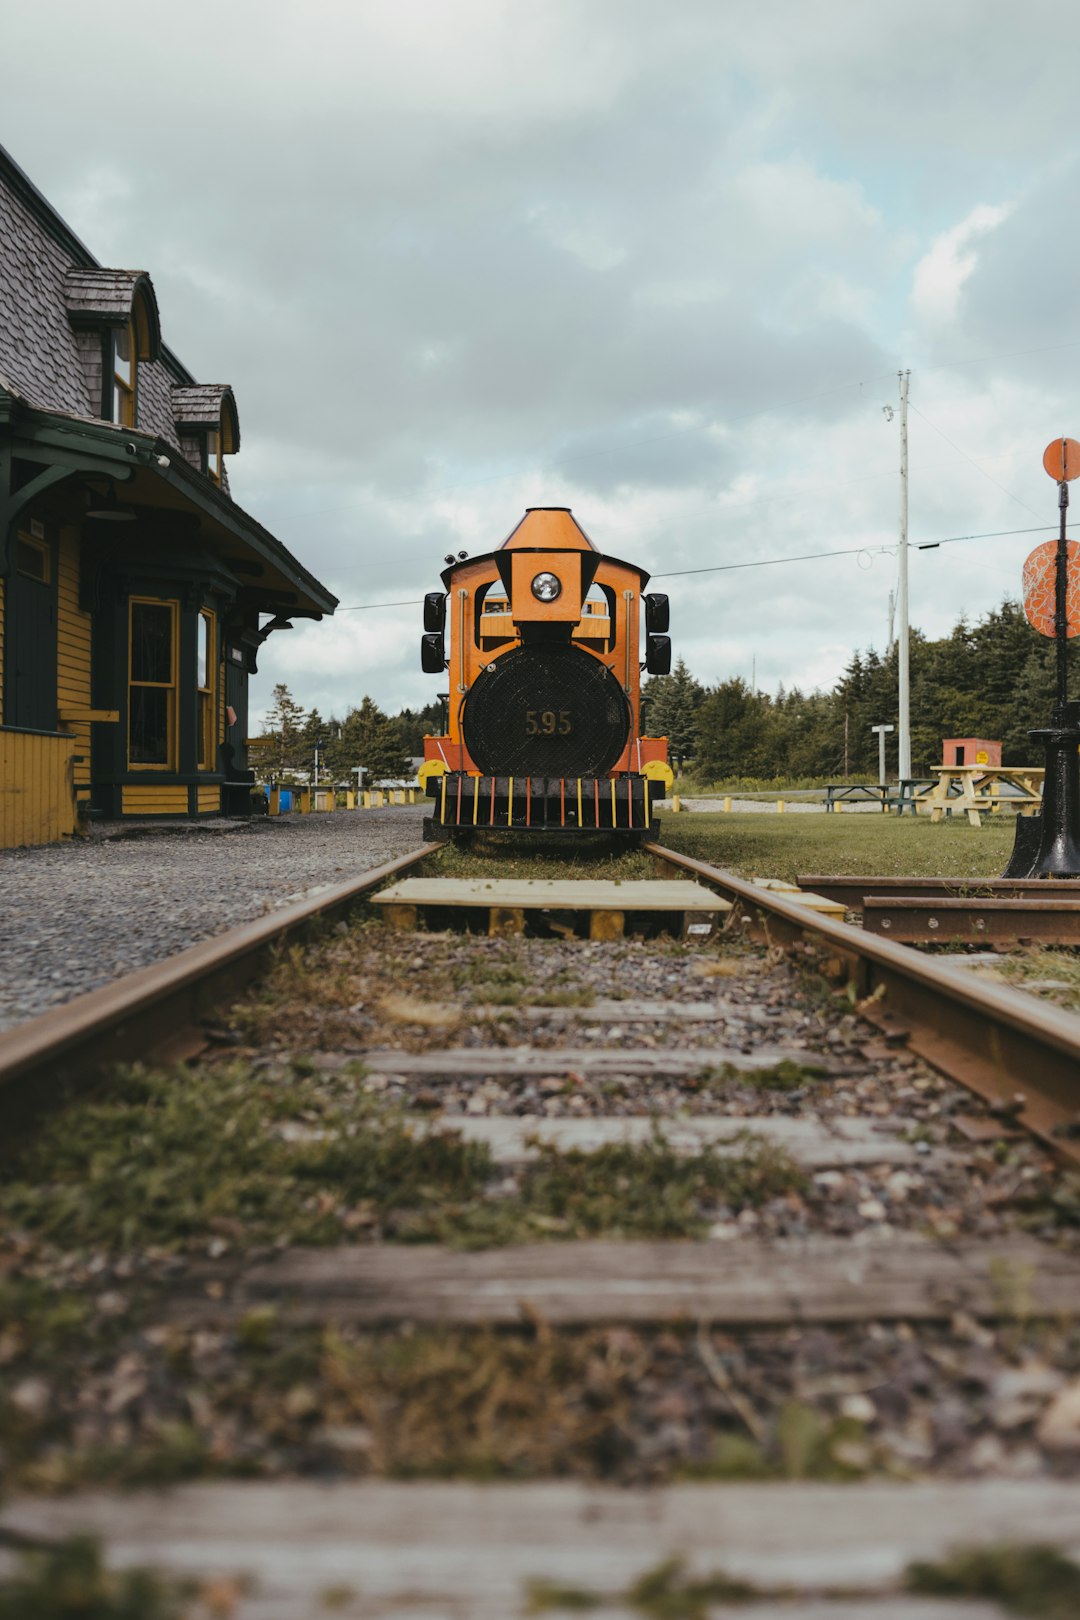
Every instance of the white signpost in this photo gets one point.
(881, 730)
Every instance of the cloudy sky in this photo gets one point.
(656, 260)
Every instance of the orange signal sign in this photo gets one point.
(1040, 574)
(1061, 458)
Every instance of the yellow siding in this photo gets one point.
(37, 795)
(73, 667)
(209, 799)
(152, 800)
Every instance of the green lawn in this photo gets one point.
(784, 846)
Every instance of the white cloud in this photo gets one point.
(948, 263)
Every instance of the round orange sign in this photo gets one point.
(1039, 582)
(1061, 458)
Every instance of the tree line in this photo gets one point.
(383, 745)
(993, 679)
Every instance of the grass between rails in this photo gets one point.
(255, 1155)
(786, 846)
(571, 857)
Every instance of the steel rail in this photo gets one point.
(1019, 1053)
(851, 891)
(917, 919)
(153, 1013)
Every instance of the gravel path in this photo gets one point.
(77, 915)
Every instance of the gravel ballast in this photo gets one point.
(79, 914)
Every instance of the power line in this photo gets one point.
(851, 551)
(997, 534)
(972, 463)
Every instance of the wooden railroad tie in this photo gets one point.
(742, 1282)
(434, 1548)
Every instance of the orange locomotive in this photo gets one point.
(544, 719)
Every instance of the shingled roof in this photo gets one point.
(52, 290)
(209, 405)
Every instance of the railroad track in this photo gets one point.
(557, 1213)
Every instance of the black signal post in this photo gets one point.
(1048, 844)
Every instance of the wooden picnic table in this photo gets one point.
(835, 791)
(970, 789)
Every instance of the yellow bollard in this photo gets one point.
(275, 801)
(727, 806)
(837, 807)
(366, 799)
(676, 804)
(780, 807)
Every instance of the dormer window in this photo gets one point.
(124, 351)
(208, 427)
(115, 317)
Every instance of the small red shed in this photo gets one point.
(970, 751)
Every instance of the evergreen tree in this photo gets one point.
(370, 739)
(669, 705)
(282, 745)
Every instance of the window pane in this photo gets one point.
(148, 725)
(203, 655)
(122, 354)
(151, 642)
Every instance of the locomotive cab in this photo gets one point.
(543, 727)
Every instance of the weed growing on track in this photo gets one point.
(252, 1156)
(667, 1592)
(783, 1076)
(70, 1579)
(1036, 1581)
(786, 846)
(1054, 974)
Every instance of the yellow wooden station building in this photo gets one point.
(134, 592)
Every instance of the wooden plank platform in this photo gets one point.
(813, 1142)
(823, 903)
(456, 1551)
(500, 1062)
(605, 902)
(732, 1283)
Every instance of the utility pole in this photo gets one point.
(904, 753)
(892, 623)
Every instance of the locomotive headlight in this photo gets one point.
(546, 587)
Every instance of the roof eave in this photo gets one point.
(103, 442)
